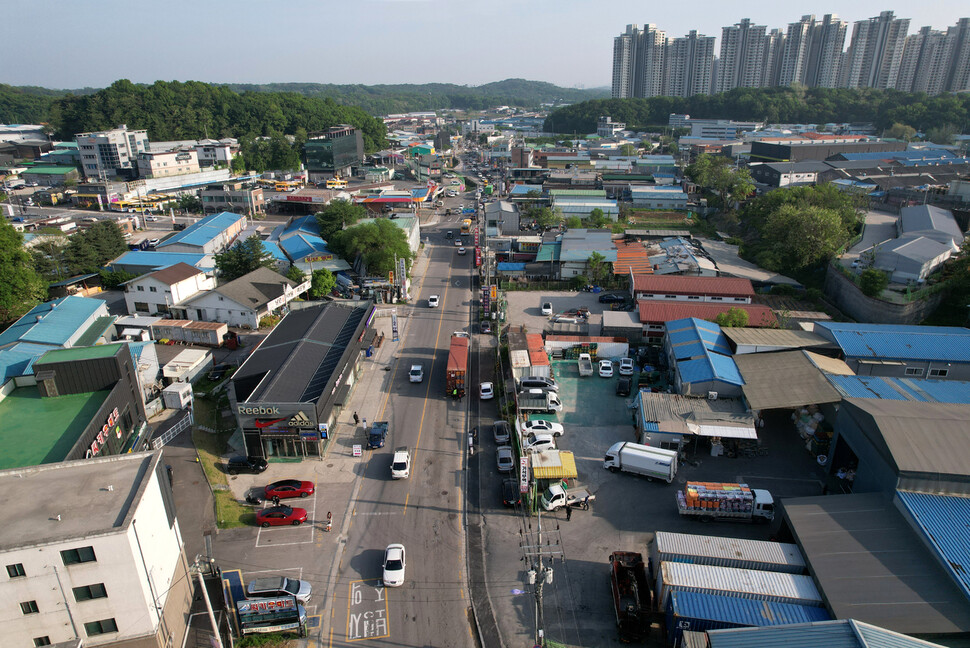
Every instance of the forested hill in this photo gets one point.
(390, 99)
(791, 105)
(192, 110)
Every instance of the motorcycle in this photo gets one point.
(254, 499)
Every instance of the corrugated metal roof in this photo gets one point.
(711, 367)
(899, 342)
(52, 322)
(783, 554)
(713, 286)
(749, 612)
(841, 633)
(794, 339)
(945, 523)
(676, 414)
(554, 464)
(153, 260)
(631, 255)
(203, 231)
(786, 379)
(692, 329)
(656, 311)
(18, 359)
(743, 583)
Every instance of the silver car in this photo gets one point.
(504, 459)
(274, 586)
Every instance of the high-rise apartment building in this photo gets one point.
(958, 74)
(923, 66)
(638, 62)
(813, 52)
(690, 65)
(875, 52)
(794, 60)
(774, 53)
(106, 154)
(624, 58)
(741, 64)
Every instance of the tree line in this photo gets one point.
(793, 105)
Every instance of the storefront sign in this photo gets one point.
(523, 475)
(277, 419)
(105, 432)
(267, 605)
(358, 450)
(305, 199)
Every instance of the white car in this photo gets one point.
(538, 442)
(153, 242)
(433, 301)
(606, 369)
(540, 426)
(626, 366)
(486, 391)
(401, 463)
(451, 194)
(394, 564)
(461, 251)
(547, 308)
(416, 374)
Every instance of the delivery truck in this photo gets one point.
(631, 595)
(585, 364)
(725, 502)
(457, 366)
(557, 496)
(537, 400)
(652, 463)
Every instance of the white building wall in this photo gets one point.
(693, 298)
(163, 294)
(213, 307)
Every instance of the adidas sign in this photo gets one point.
(300, 420)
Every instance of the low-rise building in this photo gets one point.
(670, 197)
(501, 219)
(244, 301)
(578, 245)
(655, 314)
(142, 261)
(159, 291)
(50, 175)
(722, 290)
(700, 360)
(210, 235)
(237, 197)
(162, 164)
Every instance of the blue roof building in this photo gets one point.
(299, 244)
(210, 235)
(58, 323)
(944, 522)
(699, 354)
(18, 359)
(143, 261)
(902, 351)
(906, 389)
(843, 633)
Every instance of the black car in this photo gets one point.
(612, 298)
(510, 492)
(623, 387)
(253, 465)
(218, 372)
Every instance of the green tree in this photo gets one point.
(190, 203)
(573, 222)
(90, 249)
(377, 243)
(901, 132)
(338, 215)
(22, 288)
(717, 173)
(543, 216)
(944, 134)
(295, 275)
(112, 279)
(800, 236)
(597, 219)
(628, 150)
(322, 283)
(872, 282)
(597, 268)
(242, 258)
(735, 317)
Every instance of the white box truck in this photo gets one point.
(652, 463)
(536, 400)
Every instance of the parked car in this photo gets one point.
(485, 326)
(217, 372)
(486, 391)
(546, 308)
(289, 488)
(623, 387)
(606, 369)
(502, 432)
(538, 442)
(152, 242)
(394, 565)
(504, 459)
(626, 366)
(280, 515)
(539, 425)
(416, 374)
(433, 301)
(461, 251)
(401, 463)
(254, 465)
(458, 242)
(510, 492)
(538, 382)
(612, 298)
(277, 586)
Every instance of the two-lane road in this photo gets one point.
(424, 512)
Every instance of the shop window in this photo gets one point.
(77, 556)
(103, 626)
(16, 570)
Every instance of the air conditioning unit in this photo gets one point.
(711, 395)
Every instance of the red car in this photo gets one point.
(280, 515)
(289, 488)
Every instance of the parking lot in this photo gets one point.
(627, 510)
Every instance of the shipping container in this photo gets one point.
(190, 332)
(457, 365)
(696, 611)
(739, 583)
(727, 552)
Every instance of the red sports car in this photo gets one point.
(280, 515)
(289, 488)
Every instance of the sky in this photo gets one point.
(79, 43)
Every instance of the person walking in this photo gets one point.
(586, 503)
(276, 500)
(356, 419)
(569, 512)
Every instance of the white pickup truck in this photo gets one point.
(556, 496)
(585, 364)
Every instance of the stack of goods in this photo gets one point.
(806, 421)
(710, 496)
(572, 353)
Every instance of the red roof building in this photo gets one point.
(654, 314)
(631, 256)
(732, 290)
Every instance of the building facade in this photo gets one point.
(689, 65)
(875, 52)
(162, 164)
(106, 154)
(159, 291)
(333, 153)
(238, 197)
(742, 61)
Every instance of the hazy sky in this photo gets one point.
(77, 43)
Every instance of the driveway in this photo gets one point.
(879, 227)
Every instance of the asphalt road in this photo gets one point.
(425, 512)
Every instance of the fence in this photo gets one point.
(173, 431)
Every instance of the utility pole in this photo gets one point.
(540, 573)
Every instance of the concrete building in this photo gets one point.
(98, 560)
(799, 150)
(142, 261)
(163, 164)
(237, 197)
(923, 66)
(244, 301)
(875, 53)
(722, 290)
(813, 52)
(659, 197)
(742, 60)
(786, 174)
(159, 291)
(689, 65)
(501, 219)
(577, 245)
(50, 176)
(106, 154)
(335, 152)
(624, 60)
(210, 235)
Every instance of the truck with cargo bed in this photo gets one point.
(537, 400)
(585, 364)
(457, 365)
(725, 502)
(652, 463)
(631, 595)
(557, 496)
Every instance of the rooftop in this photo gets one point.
(944, 521)
(203, 231)
(253, 290)
(85, 498)
(154, 260)
(652, 310)
(55, 426)
(690, 337)
(175, 273)
(80, 353)
(787, 379)
(840, 633)
(53, 322)
(18, 358)
(706, 286)
(774, 338)
(899, 342)
(911, 389)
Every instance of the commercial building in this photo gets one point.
(159, 291)
(210, 235)
(659, 197)
(333, 153)
(106, 154)
(50, 176)
(238, 197)
(700, 359)
(288, 393)
(801, 150)
(61, 323)
(728, 290)
(98, 560)
(162, 164)
(246, 300)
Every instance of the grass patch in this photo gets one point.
(274, 640)
(229, 512)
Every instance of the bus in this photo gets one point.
(466, 226)
(262, 615)
(287, 185)
(336, 183)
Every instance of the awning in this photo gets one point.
(723, 431)
(554, 464)
(132, 332)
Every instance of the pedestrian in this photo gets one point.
(356, 419)
(569, 512)
(586, 503)
(276, 500)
